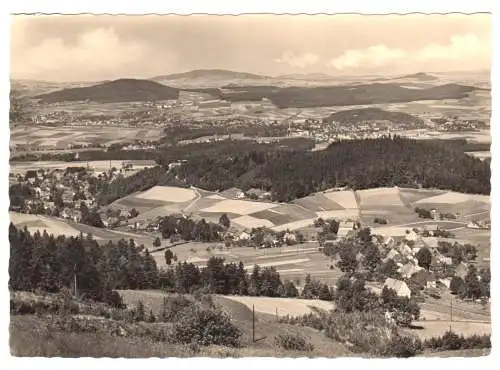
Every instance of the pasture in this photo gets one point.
(396, 205)
(63, 137)
(282, 306)
(293, 263)
(58, 227)
(40, 223)
(168, 194)
(97, 166)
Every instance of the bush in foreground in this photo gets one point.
(293, 342)
(403, 346)
(206, 326)
(451, 341)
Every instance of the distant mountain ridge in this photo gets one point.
(209, 73)
(117, 91)
(421, 76)
(306, 76)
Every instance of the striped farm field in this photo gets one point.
(414, 195)
(141, 204)
(346, 199)
(274, 217)
(168, 194)
(339, 215)
(318, 202)
(373, 198)
(241, 207)
(295, 225)
(249, 222)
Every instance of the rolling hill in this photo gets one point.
(345, 95)
(420, 76)
(352, 116)
(305, 76)
(118, 91)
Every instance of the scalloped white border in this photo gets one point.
(234, 7)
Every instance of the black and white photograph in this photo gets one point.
(258, 185)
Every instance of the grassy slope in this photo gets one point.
(266, 327)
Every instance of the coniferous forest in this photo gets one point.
(42, 262)
(293, 171)
(358, 164)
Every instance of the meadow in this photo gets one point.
(62, 137)
(396, 205)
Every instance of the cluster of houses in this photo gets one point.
(60, 192)
(411, 275)
(480, 224)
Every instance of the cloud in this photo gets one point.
(460, 47)
(460, 51)
(95, 53)
(377, 55)
(297, 60)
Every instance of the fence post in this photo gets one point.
(253, 323)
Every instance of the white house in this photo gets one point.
(345, 227)
(243, 236)
(398, 286)
(290, 238)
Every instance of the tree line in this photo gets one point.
(357, 164)
(40, 261)
(289, 170)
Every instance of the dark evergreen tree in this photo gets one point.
(424, 257)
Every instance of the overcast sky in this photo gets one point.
(86, 47)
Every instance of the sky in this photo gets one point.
(96, 48)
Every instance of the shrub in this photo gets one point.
(379, 220)
(451, 341)
(293, 342)
(173, 306)
(312, 320)
(115, 300)
(139, 312)
(403, 346)
(205, 327)
(367, 332)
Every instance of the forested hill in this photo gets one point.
(345, 95)
(354, 116)
(293, 173)
(358, 164)
(118, 91)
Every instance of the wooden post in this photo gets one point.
(451, 310)
(277, 317)
(74, 275)
(253, 323)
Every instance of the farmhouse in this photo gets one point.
(290, 238)
(408, 270)
(405, 250)
(398, 286)
(258, 194)
(444, 260)
(423, 279)
(446, 282)
(345, 227)
(393, 255)
(243, 236)
(434, 214)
